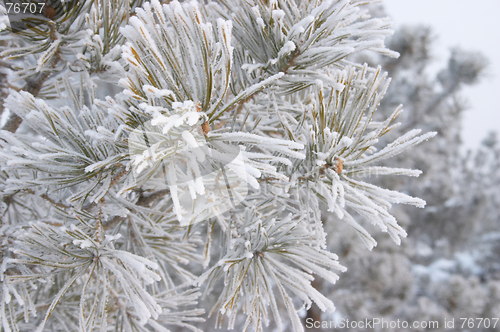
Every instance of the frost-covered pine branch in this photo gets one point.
(171, 148)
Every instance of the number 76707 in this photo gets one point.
(30, 7)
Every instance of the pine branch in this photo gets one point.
(227, 130)
(33, 85)
(147, 200)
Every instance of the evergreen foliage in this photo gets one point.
(154, 151)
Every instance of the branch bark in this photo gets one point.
(33, 85)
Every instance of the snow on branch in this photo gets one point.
(173, 148)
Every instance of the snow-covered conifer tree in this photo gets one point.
(151, 152)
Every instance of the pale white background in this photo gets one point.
(473, 25)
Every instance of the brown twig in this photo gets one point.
(292, 59)
(113, 222)
(143, 201)
(47, 198)
(146, 200)
(33, 85)
(118, 176)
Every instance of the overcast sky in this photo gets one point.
(475, 26)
